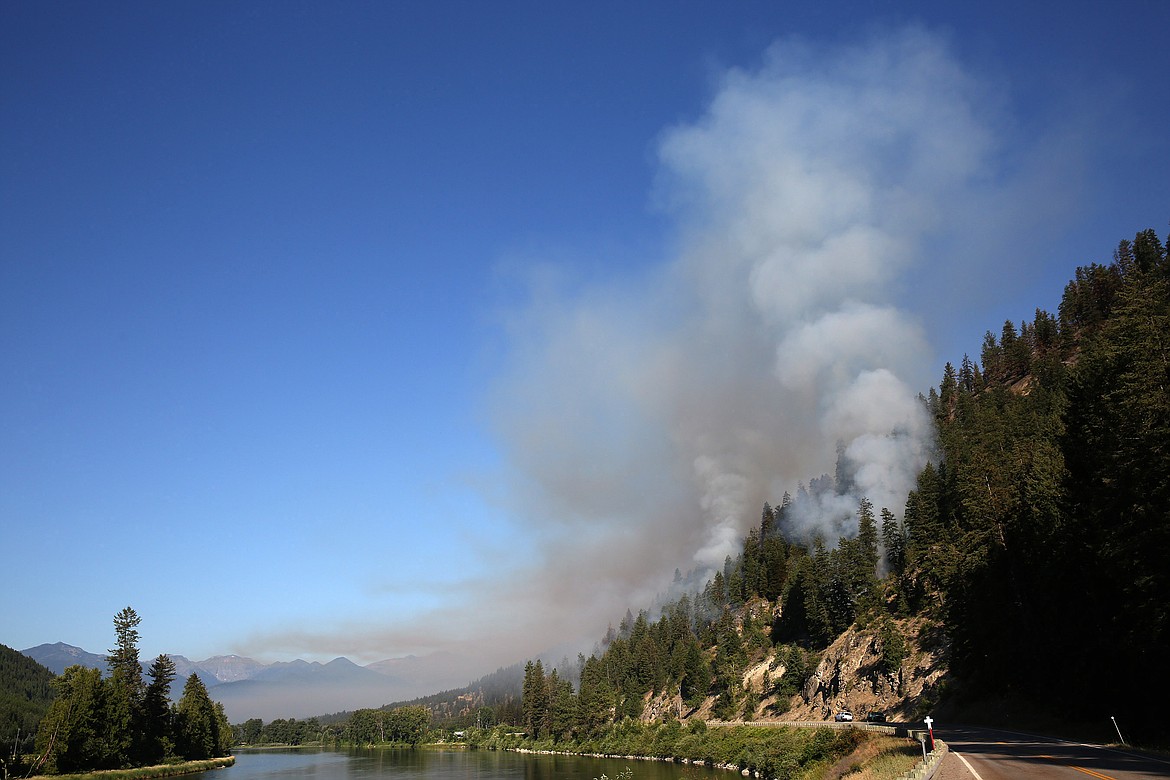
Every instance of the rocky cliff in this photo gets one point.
(851, 673)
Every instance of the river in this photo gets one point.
(454, 764)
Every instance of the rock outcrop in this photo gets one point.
(849, 674)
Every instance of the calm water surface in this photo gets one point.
(368, 764)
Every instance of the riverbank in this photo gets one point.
(758, 751)
(880, 757)
(146, 772)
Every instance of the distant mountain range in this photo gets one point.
(293, 689)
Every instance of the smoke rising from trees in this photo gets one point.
(661, 418)
(644, 420)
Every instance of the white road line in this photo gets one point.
(970, 768)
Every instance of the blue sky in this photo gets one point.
(370, 329)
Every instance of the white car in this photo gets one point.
(844, 716)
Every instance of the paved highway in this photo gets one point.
(986, 754)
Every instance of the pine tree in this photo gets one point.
(695, 680)
(867, 538)
(751, 565)
(158, 742)
(223, 730)
(562, 716)
(1009, 348)
(535, 698)
(947, 393)
(596, 697)
(730, 659)
(196, 724)
(124, 717)
(991, 357)
(716, 591)
(767, 522)
(817, 609)
(967, 375)
(774, 567)
(893, 649)
(893, 543)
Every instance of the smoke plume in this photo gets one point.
(644, 420)
(647, 422)
(803, 193)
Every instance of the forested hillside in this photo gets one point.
(25, 693)
(1033, 557)
(493, 698)
(490, 700)
(1042, 537)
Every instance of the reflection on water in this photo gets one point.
(458, 764)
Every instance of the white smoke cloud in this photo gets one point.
(669, 410)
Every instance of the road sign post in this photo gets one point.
(929, 721)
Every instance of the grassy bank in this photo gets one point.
(880, 757)
(780, 753)
(146, 772)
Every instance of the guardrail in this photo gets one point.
(926, 769)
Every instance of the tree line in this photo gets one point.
(1042, 535)
(281, 731)
(123, 720)
(1037, 538)
(408, 725)
(398, 725)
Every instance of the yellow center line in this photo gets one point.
(1079, 768)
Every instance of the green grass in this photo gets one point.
(147, 772)
(879, 758)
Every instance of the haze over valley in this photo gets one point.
(295, 689)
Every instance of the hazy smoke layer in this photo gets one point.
(645, 422)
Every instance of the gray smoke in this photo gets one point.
(659, 416)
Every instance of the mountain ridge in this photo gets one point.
(248, 688)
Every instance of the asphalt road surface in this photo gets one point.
(986, 754)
